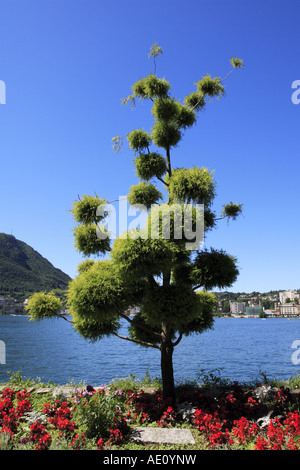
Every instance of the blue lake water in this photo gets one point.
(239, 348)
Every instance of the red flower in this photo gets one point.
(100, 444)
(40, 436)
(244, 430)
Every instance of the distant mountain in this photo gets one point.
(24, 271)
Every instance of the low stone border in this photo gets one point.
(162, 435)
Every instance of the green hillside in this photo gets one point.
(24, 271)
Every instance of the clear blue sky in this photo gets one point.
(67, 64)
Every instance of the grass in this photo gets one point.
(109, 416)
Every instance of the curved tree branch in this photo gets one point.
(60, 315)
(160, 179)
(158, 335)
(143, 343)
(178, 340)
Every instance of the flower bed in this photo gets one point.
(260, 419)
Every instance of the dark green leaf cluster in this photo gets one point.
(192, 185)
(203, 319)
(195, 101)
(87, 241)
(170, 303)
(142, 257)
(236, 62)
(232, 210)
(150, 165)
(214, 269)
(85, 265)
(170, 110)
(170, 118)
(84, 210)
(139, 140)
(166, 134)
(140, 330)
(151, 87)
(211, 87)
(87, 233)
(175, 222)
(93, 329)
(145, 194)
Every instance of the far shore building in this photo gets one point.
(237, 307)
(289, 309)
(292, 295)
(253, 311)
(10, 307)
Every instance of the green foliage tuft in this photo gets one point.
(137, 332)
(91, 329)
(97, 293)
(186, 117)
(175, 222)
(144, 194)
(203, 318)
(214, 269)
(172, 112)
(118, 140)
(155, 51)
(172, 303)
(142, 257)
(209, 86)
(192, 185)
(231, 210)
(166, 134)
(236, 62)
(165, 109)
(209, 219)
(43, 305)
(84, 210)
(195, 101)
(87, 241)
(151, 87)
(139, 140)
(150, 165)
(85, 265)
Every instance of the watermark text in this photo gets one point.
(296, 94)
(162, 221)
(2, 92)
(2, 352)
(296, 354)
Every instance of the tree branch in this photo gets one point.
(160, 179)
(143, 343)
(60, 315)
(197, 287)
(178, 340)
(145, 328)
(199, 101)
(169, 162)
(152, 281)
(227, 75)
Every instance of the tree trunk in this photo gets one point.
(167, 367)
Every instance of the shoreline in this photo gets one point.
(216, 315)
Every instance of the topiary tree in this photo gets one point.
(163, 276)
